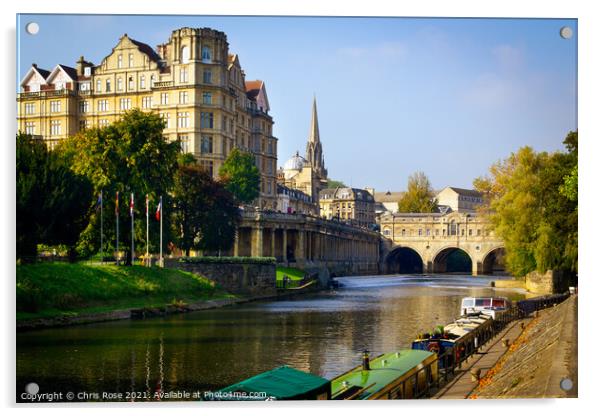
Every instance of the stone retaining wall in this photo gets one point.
(552, 281)
(238, 278)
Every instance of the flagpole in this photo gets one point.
(147, 258)
(102, 256)
(132, 217)
(161, 232)
(117, 221)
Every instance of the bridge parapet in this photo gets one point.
(305, 241)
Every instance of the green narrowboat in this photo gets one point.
(403, 374)
(282, 383)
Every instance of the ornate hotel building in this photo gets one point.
(192, 82)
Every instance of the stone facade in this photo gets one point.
(192, 81)
(307, 174)
(434, 236)
(552, 281)
(305, 241)
(238, 278)
(352, 205)
(460, 200)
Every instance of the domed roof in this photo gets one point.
(295, 163)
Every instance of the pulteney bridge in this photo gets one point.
(308, 242)
(439, 243)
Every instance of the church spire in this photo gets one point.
(314, 131)
(313, 153)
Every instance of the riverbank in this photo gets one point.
(64, 292)
(538, 360)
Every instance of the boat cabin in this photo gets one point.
(282, 383)
(484, 305)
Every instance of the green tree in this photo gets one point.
(52, 201)
(130, 155)
(204, 214)
(527, 209)
(331, 184)
(240, 176)
(419, 196)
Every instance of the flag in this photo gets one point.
(132, 205)
(158, 213)
(117, 203)
(99, 201)
(146, 203)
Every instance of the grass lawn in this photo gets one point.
(290, 272)
(55, 289)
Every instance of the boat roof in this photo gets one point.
(384, 369)
(282, 383)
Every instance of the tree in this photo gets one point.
(52, 201)
(331, 184)
(419, 196)
(528, 210)
(240, 176)
(130, 155)
(204, 215)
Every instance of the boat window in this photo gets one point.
(467, 303)
(499, 303)
(483, 302)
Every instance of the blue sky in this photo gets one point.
(395, 95)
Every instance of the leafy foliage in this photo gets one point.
(52, 201)
(332, 184)
(205, 215)
(528, 210)
(241, 176)
(130, 155)
(419, 196)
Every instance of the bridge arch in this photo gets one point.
(404, 260)
(493, 261)
(452, 260)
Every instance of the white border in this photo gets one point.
(589, 125)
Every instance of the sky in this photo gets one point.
(448, 97)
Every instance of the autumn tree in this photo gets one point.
(419, 196)
(529, 211)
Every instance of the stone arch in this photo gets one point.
(493, 261)
(452, 260)
(404, 260)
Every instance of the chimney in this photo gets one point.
(366, 360)
(79, 67)
(370, 191)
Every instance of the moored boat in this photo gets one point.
(484, 305)
(403, 374)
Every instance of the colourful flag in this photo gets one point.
(117, 203)
(158, 213)
(146, 202)
(99, 201)
(132, 205)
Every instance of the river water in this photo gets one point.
(323, 333)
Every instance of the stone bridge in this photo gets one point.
(439, 243)
(308, 242)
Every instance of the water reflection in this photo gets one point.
(322, 333)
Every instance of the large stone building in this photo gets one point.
(352, 205)
(192, 81)
(459, 199)
(307, 174)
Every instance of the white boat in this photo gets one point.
(488, 306)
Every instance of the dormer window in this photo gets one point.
(87, 71)
(59, 86)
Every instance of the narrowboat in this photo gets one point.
(282, 383)
(403, 374)
(489, 306)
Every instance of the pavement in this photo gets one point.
(462, 385)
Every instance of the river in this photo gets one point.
(323, 333)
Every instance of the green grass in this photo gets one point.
(290, 272)
(63, 289)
